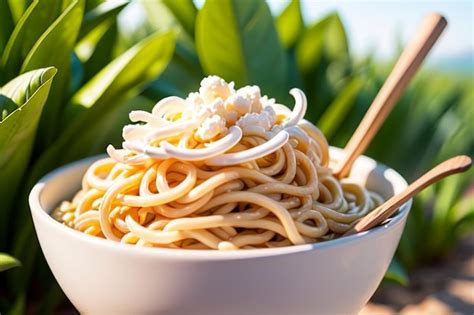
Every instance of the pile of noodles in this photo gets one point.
(221, 169)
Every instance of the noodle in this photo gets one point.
(222, 169)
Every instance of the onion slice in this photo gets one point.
(135, 132)
(252, 154)
(300, 108)
(141, 115)
(216, 148)
(154, 152)
(169, 104)
(171, 130)
(124, 158)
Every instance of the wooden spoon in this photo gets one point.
(397, 81)
(454, 165)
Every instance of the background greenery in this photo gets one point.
(70, 74)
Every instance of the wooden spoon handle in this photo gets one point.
(404, 70)
(454, 165)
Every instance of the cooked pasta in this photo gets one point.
(221, 169)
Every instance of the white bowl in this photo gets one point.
(104, 277)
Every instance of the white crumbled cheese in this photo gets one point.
(197, 107)
(213, 87)
(201, 113)
(195, 99)
(265, 119)
(265, 101)
(231, 117)
(218, 108)
(238, 103)
(207, 116)
(218, 105)
(251, 93)
(210, 128)
(270, 112)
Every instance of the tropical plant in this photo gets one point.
(90, 86)
(95, 71)
(436, 114)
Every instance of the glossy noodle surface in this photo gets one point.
(222, 169)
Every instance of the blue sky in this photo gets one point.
(378, 24)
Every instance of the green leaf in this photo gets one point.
(448, 192)
(336, 43)
(99, 135)
(294, 74)
(102, 12)
(290, 24)
(85, 47)
(158, 17)
(60, 38)
(124, 75)
(449, 209)
(18, 307)
(8, 262)
(77, 74)
(310, 48)
(181, 76)
(237, 41)
(121, 80)
(17, 133)
(323, 59)
(34, 22)
(185, 12)
(101, 50)
(465, 225)
(396, 273)
(7, 25)
(7, 106)
(109, 131)
(337, 112)
(325, 38)
(91, 4)
(17, 8)
(412, 244)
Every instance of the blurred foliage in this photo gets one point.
(71, 106)
(7, 262)
(107, 66)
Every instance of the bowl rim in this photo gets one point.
(43, 217)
